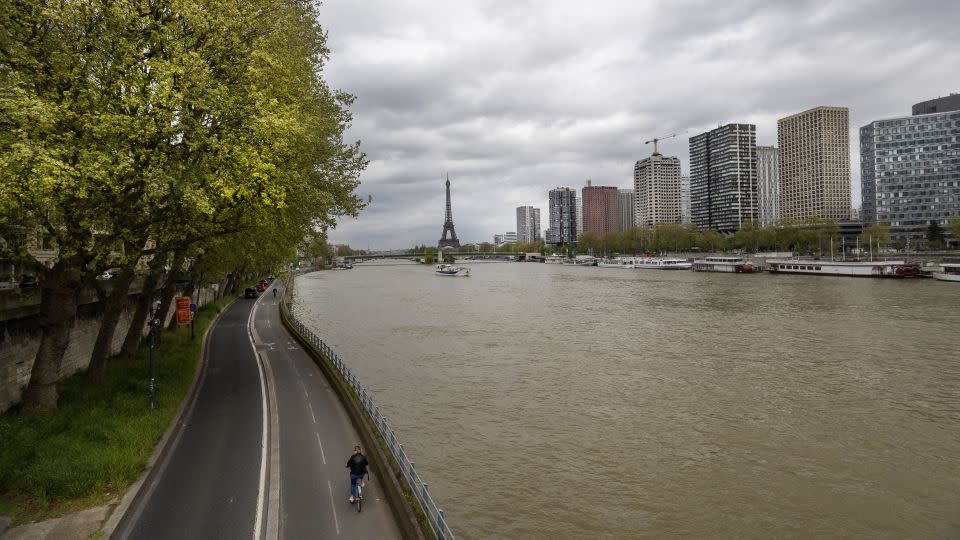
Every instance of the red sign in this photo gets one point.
(183, 309)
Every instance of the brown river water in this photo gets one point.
(549, 401)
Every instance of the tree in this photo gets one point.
(877, 232)
(170, 121)
(935, 235)
(953, 225)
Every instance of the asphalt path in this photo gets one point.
(233, 471)
(316, 439)
(208, 485)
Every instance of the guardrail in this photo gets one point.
(416, 485)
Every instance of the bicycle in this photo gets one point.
(358, 500)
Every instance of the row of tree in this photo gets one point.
(157, 138)
(806, 236)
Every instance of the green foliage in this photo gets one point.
(953, 225)
(170, 121)
(935, 234)
(98, 441)
(811, 235)
(877, 233)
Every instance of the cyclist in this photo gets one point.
(358, 469)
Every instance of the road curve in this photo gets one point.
(316, 439)
(207, 484)
(218, 480)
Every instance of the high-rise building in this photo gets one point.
(528, 224)
(580, 214)
(768, 184)
(601, 206)
(939, 105)
(723, 177)
(910, 172)
(815, 164)
(685, 217)
(656, 187)
(563, 216)
(625, 199)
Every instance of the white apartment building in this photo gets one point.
(656, 187)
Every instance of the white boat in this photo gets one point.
(725, 264)
(657, 263)
(843, 268)
(618, 262)
(951, 272)
(452, 270)
(585, 260)
(554, 259)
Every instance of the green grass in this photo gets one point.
(97, 442)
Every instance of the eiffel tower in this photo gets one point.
(448, 225)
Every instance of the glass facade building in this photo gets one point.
(768, 184)
(563, 216)
(910, 172)
(723, 177)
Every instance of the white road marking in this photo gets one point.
(311, 412)
(334, 506)
(322, 455)
(304, 387)
(258, 523)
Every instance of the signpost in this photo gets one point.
(183, 309)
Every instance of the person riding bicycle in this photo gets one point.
(358, 469)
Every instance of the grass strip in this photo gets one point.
(98, 440)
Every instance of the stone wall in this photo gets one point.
(20, 336)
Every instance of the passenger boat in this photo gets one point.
(891, 269)
(451, 270)
(951, 272)
(585, 260)
(554, 259)
(725, 264)
(618, 262)
(657, 263)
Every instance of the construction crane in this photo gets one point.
(655, 140)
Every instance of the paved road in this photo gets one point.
(316, 439)
(209, 484)
(217, 475)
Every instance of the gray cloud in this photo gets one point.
(514, 98)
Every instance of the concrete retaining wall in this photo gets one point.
(20, 336)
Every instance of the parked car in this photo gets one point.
(250, 292)
(28, 281)
(7, 283)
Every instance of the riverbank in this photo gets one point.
(89, 450)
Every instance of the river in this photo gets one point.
(549, 401)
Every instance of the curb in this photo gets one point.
(136, 492)
(383, 465)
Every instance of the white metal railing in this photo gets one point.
(435, 516)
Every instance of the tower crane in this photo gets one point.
(655, 140)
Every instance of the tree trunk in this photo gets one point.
(113, 307)
(59, 297)
(168, 291)
(135, 332)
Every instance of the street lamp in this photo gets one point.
(154, 324)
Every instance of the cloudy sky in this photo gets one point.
(513, 98)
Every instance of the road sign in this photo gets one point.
(183, 309)
(193, 307)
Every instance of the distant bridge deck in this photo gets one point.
(420, 256)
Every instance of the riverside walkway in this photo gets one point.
(233, 471)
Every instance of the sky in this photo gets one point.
(513, 98)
